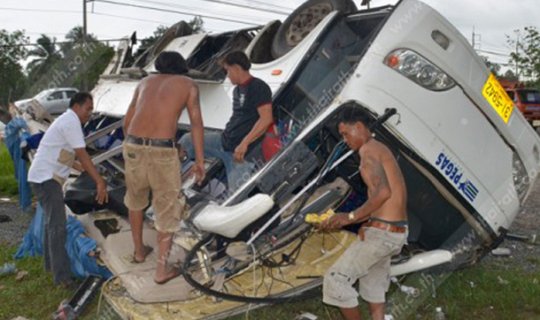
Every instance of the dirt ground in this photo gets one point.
(12, 230)
(523, 254)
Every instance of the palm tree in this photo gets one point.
(75, 38)
(46, 56)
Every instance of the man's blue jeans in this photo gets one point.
(237, 173)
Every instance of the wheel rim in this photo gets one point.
(306, 21)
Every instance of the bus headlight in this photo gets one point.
(419, 69)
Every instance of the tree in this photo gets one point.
(196, 24)
(510, 75)
(527, 54)
(75, 37)
(81, 65)
(149, 41)
(495, 68)
(46, 55)
(12, 78)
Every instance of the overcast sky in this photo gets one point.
(491, 19)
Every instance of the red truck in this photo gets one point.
(527, 100)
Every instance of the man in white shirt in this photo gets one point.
(62, 142)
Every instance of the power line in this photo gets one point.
(174, 5)
(58, 43)
(494, 53)
(46, 33)
(248, 7)
(176, 11)
(128, 18)
(39, 10)
(272, 5)
(225, 3)
(138, 19)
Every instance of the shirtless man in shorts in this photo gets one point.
(150, 154)
(385, 232)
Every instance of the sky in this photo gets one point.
(491, 20)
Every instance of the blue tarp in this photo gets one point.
(16, 131)
(78, 246)
(32, 244)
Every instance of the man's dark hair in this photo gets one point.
(238, 58)
(79, 98)
(351, 114)
(171, 62)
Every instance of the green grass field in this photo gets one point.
(34, 296)
(8, 184)
(473, 293)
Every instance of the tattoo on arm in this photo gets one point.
(194, 95)
(374, 175)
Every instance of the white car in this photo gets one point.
(55, 101)
(468, 156)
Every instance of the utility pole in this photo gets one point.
(476, 40)
(517, 53)
(84, 84)
(472, 40)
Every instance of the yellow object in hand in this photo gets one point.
(315, 218)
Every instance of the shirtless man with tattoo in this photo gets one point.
(381, 236)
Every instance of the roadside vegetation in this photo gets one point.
(8, 184)
(34, 296)
(480, 292)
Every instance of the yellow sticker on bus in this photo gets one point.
(498, 98)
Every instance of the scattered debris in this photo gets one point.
(21, 274)
(388, 317)
(19, 318)
(502, 281)
(4, 218)
(439, 314)
(502, 252)
(5, 199)
(522, 237)
(64, 312)
(411, 291)
(72, 308)
(7, 268)
(306, 316)
(472, 284)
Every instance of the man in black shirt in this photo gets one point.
(252, 115)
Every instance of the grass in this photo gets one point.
(483, 292)
(34, 296)
(514, 296)
(480, 292)
(8, 184)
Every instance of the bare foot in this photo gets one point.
(171, 274)
(137, 258)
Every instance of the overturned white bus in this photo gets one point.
(468, 157)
